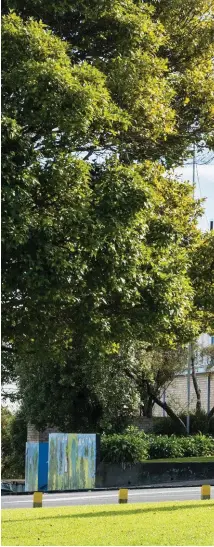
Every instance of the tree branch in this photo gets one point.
(167, 408)
(132, 376)
(196, 387)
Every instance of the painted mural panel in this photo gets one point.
(43, 467)
(71, 461)
(31, 467)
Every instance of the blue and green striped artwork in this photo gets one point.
(71, 461)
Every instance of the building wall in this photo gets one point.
(176, 394)
(204, 341)
(33, 435)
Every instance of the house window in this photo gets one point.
(212, 340)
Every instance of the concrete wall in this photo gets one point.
(146, 424)
(176, 394)
(140, 474)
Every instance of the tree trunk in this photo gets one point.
(148, 406)
(196, 387)
(168, 410)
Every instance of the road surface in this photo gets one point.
(105, 497)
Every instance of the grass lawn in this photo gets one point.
(169, 523)
(183, 460)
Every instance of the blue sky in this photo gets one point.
(204, 188)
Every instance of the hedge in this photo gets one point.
(135, 446)
(180, 447)
(129, 448)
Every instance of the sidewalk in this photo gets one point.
(174, 484)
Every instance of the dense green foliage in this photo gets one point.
(135, 447)
(13, 439)
(202, 273)
(180, 447)
(95, 255)
(199, 423)
(100, 99)
(131, 447)
(157, 57)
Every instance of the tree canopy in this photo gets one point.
(157, 58)
(98, 236)
(202, 273)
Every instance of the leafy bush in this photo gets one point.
(136, 446)
(165, 447)
(131, 447)
(199, 445)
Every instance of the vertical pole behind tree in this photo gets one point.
(191, 349)
(188, 386)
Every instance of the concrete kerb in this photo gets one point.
(189, 484)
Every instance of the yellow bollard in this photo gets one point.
(123, 495)
(37, 499)
(205, 492)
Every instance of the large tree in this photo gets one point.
(97, 239)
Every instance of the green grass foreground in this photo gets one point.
(169, 523)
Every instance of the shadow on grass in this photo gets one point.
(114, 513)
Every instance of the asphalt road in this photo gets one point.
(105, 497)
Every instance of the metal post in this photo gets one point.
(188, 386)
(191, 344)
(208, 391)
(37, 499)
(205, 492)
(123, 495)
(164, 400)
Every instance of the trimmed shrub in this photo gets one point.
(128, 448)
(136, 446)
(165, 447)
(199, 445)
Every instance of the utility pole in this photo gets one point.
(188, 385)
(191, 348)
